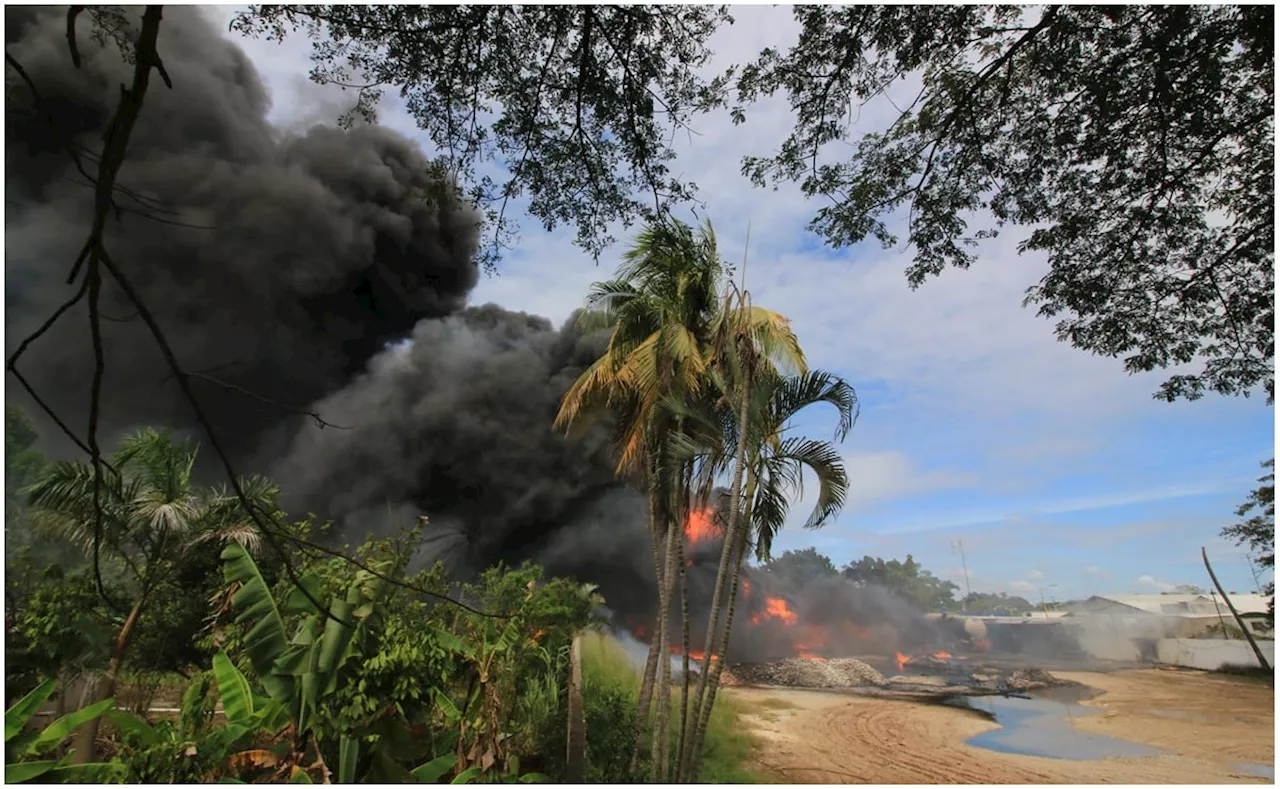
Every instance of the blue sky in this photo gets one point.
(1055, 469)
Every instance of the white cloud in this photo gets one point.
(889, 475)
(1154, 583)
(1022, 586)
(1035, 575)
(1094, 571)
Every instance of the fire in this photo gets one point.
(694, 656)
(775, 608)
(811, 656)
(942, 655)
(903, 660)
(700, 526)
(746, 588)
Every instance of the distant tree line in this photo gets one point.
(907, 579)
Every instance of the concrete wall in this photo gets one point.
(1210, 653)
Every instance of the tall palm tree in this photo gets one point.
(664, 308)
(141, 517)
(773, 465)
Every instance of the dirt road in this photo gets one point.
(1205, 727)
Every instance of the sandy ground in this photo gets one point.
(1206, 726)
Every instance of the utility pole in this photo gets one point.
(959, 546)
(1253, 568)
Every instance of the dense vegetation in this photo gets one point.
(367, 671)
(380, 682)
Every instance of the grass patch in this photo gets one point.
(611, 690)
(1246, 673)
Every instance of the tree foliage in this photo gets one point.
(907, 579)
(578, 104)
(795, 570)
(1257, 530)
(1135, 143)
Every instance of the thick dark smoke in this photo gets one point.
(315, 255)
(325, 249)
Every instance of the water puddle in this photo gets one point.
(1267, 771)
(1041, 726)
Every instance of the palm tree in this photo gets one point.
(773, 465)
(140, 517)
(665, 311)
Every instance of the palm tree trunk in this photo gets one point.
(684, 650)
(730, 540)
(86, 739)
(661, 746)
(694, 755)
(651, 664)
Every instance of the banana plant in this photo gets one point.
(23, 747)
(296, 671)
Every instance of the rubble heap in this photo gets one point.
(802, 673)
(1033, 679)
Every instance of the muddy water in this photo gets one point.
(1041, 726)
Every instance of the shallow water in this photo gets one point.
(1041, 726)
(1267, 771)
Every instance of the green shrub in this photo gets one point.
(610, 692)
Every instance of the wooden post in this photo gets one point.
(1262, 659)
(576, 755)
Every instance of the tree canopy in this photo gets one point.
(907, 579)
(796, 569)
(578, 104)
(1257, 530)
(1135, 143)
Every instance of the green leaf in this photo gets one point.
(266, 640)
(297, 600)
(434, 770)
(299, 776)
(467, 776)
(348, 756)
(451, 711)
(233, 688)
(452, 643)
(128, 723)
(63, 727)
(17, 716)
(92, 773)
(26, 771)
(333, 644)
(533, 778)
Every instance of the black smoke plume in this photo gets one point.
(292, 267)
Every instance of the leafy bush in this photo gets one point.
(610, 692)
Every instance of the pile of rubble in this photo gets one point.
(1034, 679)
(805, 673)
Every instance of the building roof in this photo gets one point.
(1183, 604)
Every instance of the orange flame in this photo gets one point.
(694, 655)
(775, 608)
(942, 655)
(700, 526)
(746, 588)
(903, 660)
(811, 656)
